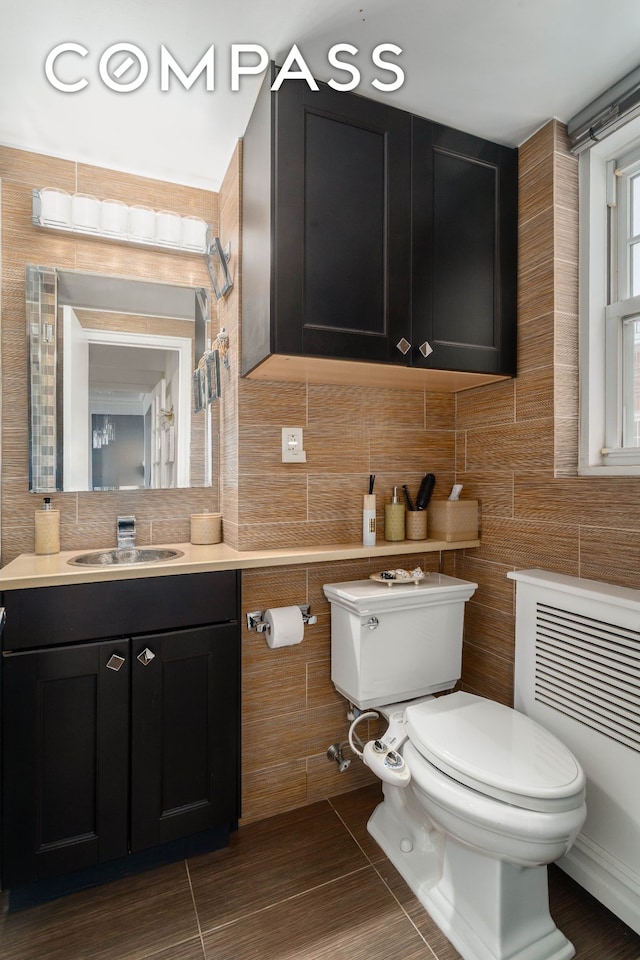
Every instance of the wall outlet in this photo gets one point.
(292, 445)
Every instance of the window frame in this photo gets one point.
(603, 278)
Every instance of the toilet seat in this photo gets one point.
(496, 751)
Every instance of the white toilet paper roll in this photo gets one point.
(285, 626)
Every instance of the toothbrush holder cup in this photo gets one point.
(415, 522)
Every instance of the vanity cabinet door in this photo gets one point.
(184, 733)
(65, 716)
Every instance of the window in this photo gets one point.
(610, 305)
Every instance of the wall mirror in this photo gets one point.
(111, 364)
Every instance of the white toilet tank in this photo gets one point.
(393, 643)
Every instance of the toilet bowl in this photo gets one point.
(492, 799)
(479, 798)
(493, 827)
(494, 779)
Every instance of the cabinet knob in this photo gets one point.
(425, 348)
(403, 346)
(114, 662)
(146, 656)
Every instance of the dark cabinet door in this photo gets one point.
(65, 716)
(371, 234)
(341, 247)
(464, 248)
(185, 737)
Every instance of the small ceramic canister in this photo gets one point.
(415, 522)
(206, 527)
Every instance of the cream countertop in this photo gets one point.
(29, 570)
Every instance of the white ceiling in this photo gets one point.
(498, 68)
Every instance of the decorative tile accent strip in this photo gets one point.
(41, 339)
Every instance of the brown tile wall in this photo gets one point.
(291, 712)
(87, 519)
(229, 318)
(349, 433)
(517, 441)
(515, 451)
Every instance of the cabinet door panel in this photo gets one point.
(338, 297)
(65, 746)
(464, 250)
(464, 246)
(184, 762)
(342, 248)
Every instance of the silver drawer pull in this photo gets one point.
(114, 662)
(146, 656)
(403, 346)
(425, 348)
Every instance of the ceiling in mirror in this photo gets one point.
(123, 295)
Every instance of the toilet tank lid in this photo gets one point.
(365, 596)
(479, 741)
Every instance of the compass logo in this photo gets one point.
(124, 67)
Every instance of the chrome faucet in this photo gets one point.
(126, 532)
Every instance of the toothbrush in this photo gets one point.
(407, 498)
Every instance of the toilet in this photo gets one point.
(477, 798)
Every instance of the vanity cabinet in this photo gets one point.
(373, 235)
(125, 743)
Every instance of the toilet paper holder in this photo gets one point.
(255, 621)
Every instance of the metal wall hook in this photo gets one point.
(217, 259)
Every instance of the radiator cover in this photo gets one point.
(577, 672)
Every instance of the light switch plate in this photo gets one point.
(292, 445)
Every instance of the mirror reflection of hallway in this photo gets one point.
(118, 452)
(120, 373)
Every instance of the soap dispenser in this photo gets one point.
(394, 518)
(47, 529)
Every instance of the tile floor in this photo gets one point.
(307, 885)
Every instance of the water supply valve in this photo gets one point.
(335, 753)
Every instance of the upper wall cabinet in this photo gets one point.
(373, 236)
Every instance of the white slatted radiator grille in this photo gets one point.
(577, 672)
(589, 670)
